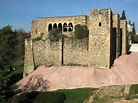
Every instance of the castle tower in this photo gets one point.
(123, 31)
(99, 37)
(116, 33)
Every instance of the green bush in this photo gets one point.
(38, 38)
(25, 98)
(81, 31)
(136, 39)
(134, 89)
(54, 35)
(7, 79)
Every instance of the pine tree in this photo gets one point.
(133, 33)
(123, 17)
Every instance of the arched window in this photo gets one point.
(49, 27)
(70, 27)
(65, 27)
(54, 26)
(60, 26)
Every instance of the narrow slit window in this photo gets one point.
(100, 24)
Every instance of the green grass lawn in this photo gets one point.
(77, 95)
(59, 96)
(133, 92)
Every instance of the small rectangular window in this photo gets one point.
(100, 24)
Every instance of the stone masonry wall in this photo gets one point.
(116, 31)
(123, 26)
(99, 37)
(39, 52)
(40, 25)
(75, 52)
(53, 53)
(28, 59)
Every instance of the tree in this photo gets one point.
(129, 22)
(8, 41)
(123, 17)
(133, 33)
(136, 39)
(21, 35)
(3, 85)
(12, 42)
(81, 31)
(54, 35)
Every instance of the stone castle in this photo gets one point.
(107, 41)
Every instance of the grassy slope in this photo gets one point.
(15, 76)
(133, 92)
(71, 95)
(59, 96)
(77, 95)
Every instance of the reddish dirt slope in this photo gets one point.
(124, 71)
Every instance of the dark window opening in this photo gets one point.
(99, 12)
(65, 27)
(36, 31)
(49, 27)
(100, 24)
(60, 26)
(55, 25)
(70, 27)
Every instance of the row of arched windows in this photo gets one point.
(65, 27)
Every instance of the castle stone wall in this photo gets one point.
(39, 52)
(28, 60)
(75, 52)
(99, 37)
(116, 32)
(53, 53)
(107, 41)
(123, 26)
(41, 25)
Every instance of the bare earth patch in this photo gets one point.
(124, 71)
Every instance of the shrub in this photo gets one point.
(54, 35)
(39, 37)
(81, 31)
(136, 39)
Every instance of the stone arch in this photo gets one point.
(49, 27)
(60, 26)
(65, 27)
(54, 26)
(70, 27)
